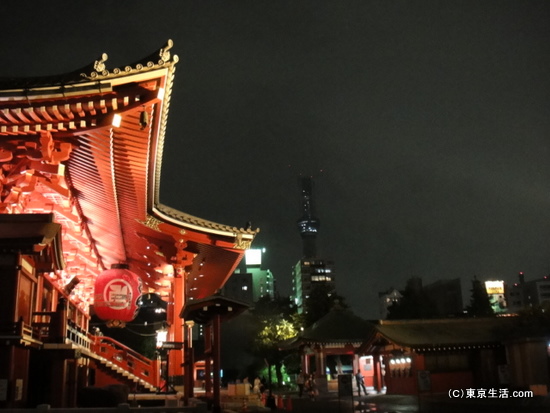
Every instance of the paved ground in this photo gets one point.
(405, 404)
(333, 404)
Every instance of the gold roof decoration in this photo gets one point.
(159, 59)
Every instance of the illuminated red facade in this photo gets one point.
(80, 165)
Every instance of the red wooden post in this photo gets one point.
(216, 322)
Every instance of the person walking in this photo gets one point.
(311, 387)
(300, 381)
(360, 383)
(257, 389)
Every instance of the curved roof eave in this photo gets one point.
(178, 218)
(171, 215)
(111, 172)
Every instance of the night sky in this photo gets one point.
(425, 124)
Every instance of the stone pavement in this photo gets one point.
(330, 403)
(363, 404)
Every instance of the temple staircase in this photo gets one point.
(125, 364)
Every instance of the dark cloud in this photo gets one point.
(425, 124)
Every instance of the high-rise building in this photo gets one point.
(528, 294)
(311, 270)
(250, 281)
(307, 273)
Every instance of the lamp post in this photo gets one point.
(162, 334)
(189, 362)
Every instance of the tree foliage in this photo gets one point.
(480, 304)
(321, 300)
(275, 331)
(275, 323)
(415, 304)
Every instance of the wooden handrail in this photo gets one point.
(126, 358)
(106, 348)
(120, 346)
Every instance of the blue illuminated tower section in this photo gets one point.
(308, 224)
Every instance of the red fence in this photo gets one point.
(127, 359)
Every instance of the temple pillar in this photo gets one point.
(378, 380)
(208, 375)
(58, 374)
(304, 361)
(216, 330)
(356, 363)
(189, 363)
(176, 329)
(320, 373)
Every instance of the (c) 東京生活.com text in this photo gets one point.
(491, 393)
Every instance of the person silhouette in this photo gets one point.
(360, 383)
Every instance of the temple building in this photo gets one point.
(433, 356)
(427, 356)
(330, 347)
(80, 170)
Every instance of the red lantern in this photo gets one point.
(116, 295)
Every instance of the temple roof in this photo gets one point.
(452, 333)
(87, 146)
(94, 70)
(202, 311)
(338, 326)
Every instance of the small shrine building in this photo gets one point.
(330, 347)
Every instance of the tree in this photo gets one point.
(480, 304)
(319, 302)
(415, 303)
(275, 324)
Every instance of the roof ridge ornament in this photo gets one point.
(162, 57)
(99, 65)
(164, 52)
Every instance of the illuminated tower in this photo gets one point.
(308, 224)
(311, 270)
